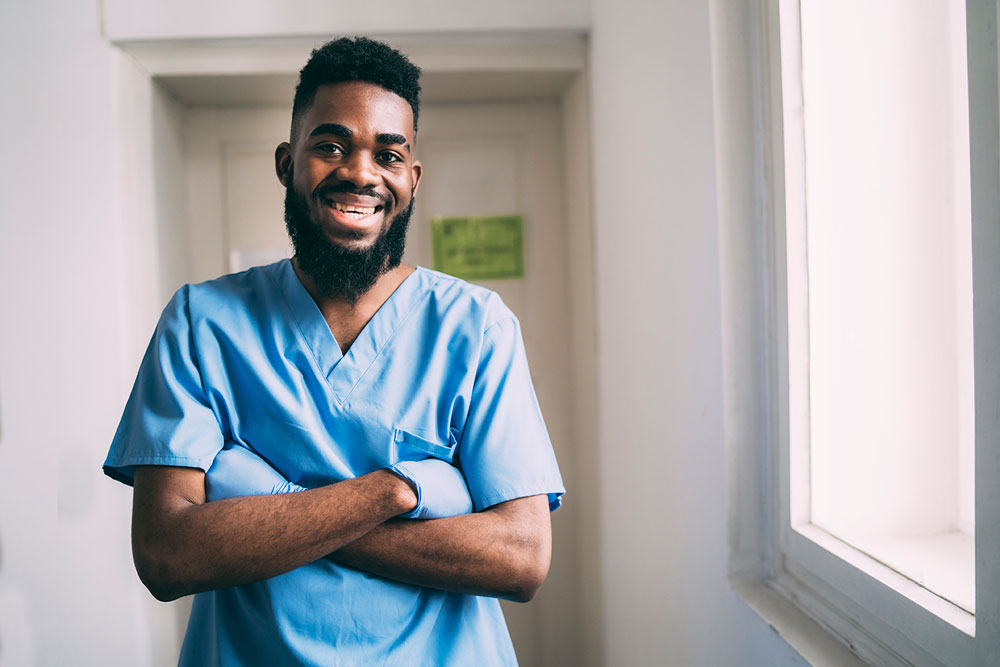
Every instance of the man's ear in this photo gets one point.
(416, 171)
(283, 162)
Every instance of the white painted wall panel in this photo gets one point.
(129, 20)
(662, 454)
(68, 592)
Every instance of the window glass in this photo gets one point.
(891, 423)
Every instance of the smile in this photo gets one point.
(351, 212)
(352, 217)
(348, 208)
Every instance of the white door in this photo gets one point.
(483, 159)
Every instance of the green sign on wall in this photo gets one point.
(483, 248)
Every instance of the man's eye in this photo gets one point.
(328, 148)
(389, 157)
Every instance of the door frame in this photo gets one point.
(155, 240)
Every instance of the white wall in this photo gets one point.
(657, 584)
(68, 593)
(129, 20)
(662, 454)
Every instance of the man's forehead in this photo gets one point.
(359, 106)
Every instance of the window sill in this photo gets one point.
(860, 619)
(943, 563)
(808, 638)
(939, 607)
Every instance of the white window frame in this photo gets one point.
(832, 603)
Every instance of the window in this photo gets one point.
(882, 451)
(878, 273)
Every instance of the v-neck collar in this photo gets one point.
(343, 371)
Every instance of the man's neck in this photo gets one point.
(345, 319)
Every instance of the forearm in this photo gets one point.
(184, 545)
(501, 552)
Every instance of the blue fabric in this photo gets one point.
(439, 372)
(238, 472)
(441, 490)
(440, 487)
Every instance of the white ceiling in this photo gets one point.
(229, 90)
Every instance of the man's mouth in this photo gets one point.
(352, 212)
(349, 208)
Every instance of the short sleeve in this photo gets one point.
(504, 448)
(167, 420)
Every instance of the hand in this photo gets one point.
(237, 471)
(440, 488)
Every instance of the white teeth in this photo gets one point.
(360, 210)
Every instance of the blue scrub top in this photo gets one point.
(439, 371)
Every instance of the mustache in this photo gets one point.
(347, 188)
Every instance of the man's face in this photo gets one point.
(349, 172)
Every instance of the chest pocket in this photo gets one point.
(407, 446)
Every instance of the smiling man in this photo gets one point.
(394, 401)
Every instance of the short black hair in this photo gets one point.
(357, 59)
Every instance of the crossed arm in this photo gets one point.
(182, 544)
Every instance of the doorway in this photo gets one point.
(497, 140)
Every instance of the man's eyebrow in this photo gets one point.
(392, 139)
(335, 129)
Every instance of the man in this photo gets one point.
(396, 400)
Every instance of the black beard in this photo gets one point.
(338, 272)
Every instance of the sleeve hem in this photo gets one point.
(554, 497)
(123, 471)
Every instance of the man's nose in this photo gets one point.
(358, 169)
